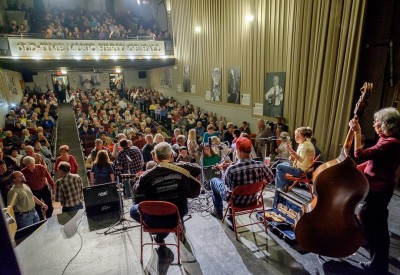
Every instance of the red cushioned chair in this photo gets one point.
(154, 209)
(303, 178)
(253, 189)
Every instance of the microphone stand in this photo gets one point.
(122, 219)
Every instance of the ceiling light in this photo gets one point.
(118, 70)
(63, 72)
(197, 29)
(249, 18)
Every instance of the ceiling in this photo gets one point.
(33, 66)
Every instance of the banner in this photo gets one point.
(72, 49)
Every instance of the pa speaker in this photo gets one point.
(101, 199)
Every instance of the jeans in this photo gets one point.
(45, 195)
(127, 188)
(218, 189)
(72, 208)
(157, 222)
(281, 170)
(24, 220)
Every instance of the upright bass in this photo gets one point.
(328, 225)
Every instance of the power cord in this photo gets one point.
(80, 248)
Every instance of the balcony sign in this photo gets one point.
(70, 48)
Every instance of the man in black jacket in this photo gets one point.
(165, 183)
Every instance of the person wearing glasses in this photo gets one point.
(381, 166)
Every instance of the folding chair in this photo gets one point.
(303, 178)
(256, 191)
(159, 209)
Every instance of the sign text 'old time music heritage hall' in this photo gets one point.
(68, 49)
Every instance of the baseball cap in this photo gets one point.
(244, 144)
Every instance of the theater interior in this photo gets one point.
(321, 52)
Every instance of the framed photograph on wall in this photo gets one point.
(216, 87)
(274, 94)
(233, 85)
(186, 79)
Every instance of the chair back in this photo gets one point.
(158, 208)
(249, 189)
(312, 165)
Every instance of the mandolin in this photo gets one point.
(328, 225)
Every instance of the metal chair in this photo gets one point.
(303, 178)
(254, 190)
(159, 209)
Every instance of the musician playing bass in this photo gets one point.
(166, 182)
(382, 161)
(244, 171)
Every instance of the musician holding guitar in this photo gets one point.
(383, 160)
(167, 181)
(274, 99)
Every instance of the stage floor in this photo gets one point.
(211, 248)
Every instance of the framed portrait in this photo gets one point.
(233, 85)
(186, 79)
(216, 87)
(274, 94)
(166, 78)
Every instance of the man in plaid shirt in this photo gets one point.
(68, 188)
(130, 161)
(244, 171)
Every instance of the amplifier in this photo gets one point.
(101, 199)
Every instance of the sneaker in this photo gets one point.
(215, 214)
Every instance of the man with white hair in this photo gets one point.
(37, 177)
(30, 152)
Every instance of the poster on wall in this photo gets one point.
(89, 80)
(10, 83)
(166, 78)
(274, 94)
(216, 85)
(234, 85)
(186, 79)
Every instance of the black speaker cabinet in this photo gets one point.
(101, 199)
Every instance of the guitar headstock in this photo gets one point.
(363, 100)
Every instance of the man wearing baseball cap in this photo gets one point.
(244, 171)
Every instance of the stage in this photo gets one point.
(211, 248)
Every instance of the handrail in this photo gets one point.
(40, 36)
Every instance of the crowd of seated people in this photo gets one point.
(95, 25)
(146, 118)
(27, 133)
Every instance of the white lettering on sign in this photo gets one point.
(69, 48)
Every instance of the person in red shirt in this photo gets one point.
(65, 156)
(37, 177)
(140, 142)
(382, 164)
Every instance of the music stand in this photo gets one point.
(122, 218)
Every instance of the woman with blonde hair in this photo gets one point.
(158, 138)
(102, 171)
(193, 147)
(302, 158)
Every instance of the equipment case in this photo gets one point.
(287, 205)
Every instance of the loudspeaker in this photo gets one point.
(27, 78)
(142, 74)
(101, 199)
